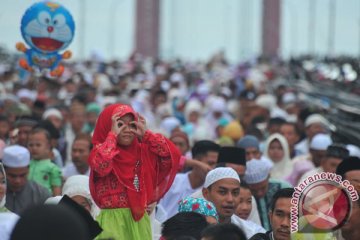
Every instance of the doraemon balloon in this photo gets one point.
(47, 28)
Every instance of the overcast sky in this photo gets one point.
(195, 29)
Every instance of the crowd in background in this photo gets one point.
(244, 125)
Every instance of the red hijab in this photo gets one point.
(153, 183)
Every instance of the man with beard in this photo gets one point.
(279, 216)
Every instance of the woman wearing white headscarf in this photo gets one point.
(216, 110)
(7, 218)
(196, 127)
(277, 150)
(77, 188)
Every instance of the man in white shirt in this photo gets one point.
(222, 188)
(187, 183)
(314, 124)
(80, 151)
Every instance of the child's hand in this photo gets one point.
(117, 125)
(140, 129)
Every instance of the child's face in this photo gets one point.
(126, 137)
(39, 146)
(244, 208)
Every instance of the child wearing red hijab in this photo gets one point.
(131, 167)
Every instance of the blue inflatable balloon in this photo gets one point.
(47, 28)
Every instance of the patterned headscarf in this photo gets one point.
(198, 205)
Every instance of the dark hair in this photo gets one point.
(294, 125)
(86, 137)
(183, 238)
(281, 193)
(41, 130)
(48, 126)
(159, 93)
(337, 150)
(184, 224)
(254, 131)
(3, 118)
(223, 231)
(243, 184)
(202, 147)
(276, 121)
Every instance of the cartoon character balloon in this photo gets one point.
(47, 28)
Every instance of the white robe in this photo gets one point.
(180, 189)
(249, 228)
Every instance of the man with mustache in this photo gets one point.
(279, 216)
(222, 188)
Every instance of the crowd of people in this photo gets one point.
(163, 150)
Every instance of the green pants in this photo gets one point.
(118, 224)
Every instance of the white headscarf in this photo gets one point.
(284, 167)
(168, 124)
(193, 105)
(79, 185)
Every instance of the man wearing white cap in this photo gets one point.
(335, 153)
(314, 124)
(54, 116)
(217, 109)
(21, 193)
(27, 97)
(262, 187)
(311, 161)
(222, 188)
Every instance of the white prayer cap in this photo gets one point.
(256, 171)
(316, 118)
(52, 112)
(169, 124)
(16, 156)
(193, 105)
(53, 200)
(218, 105)
(354, 151)
(289, 98)
(219, 174)
(26, 93)
(176, 78)
(267, 101)
(203, 89)
(320, 141)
